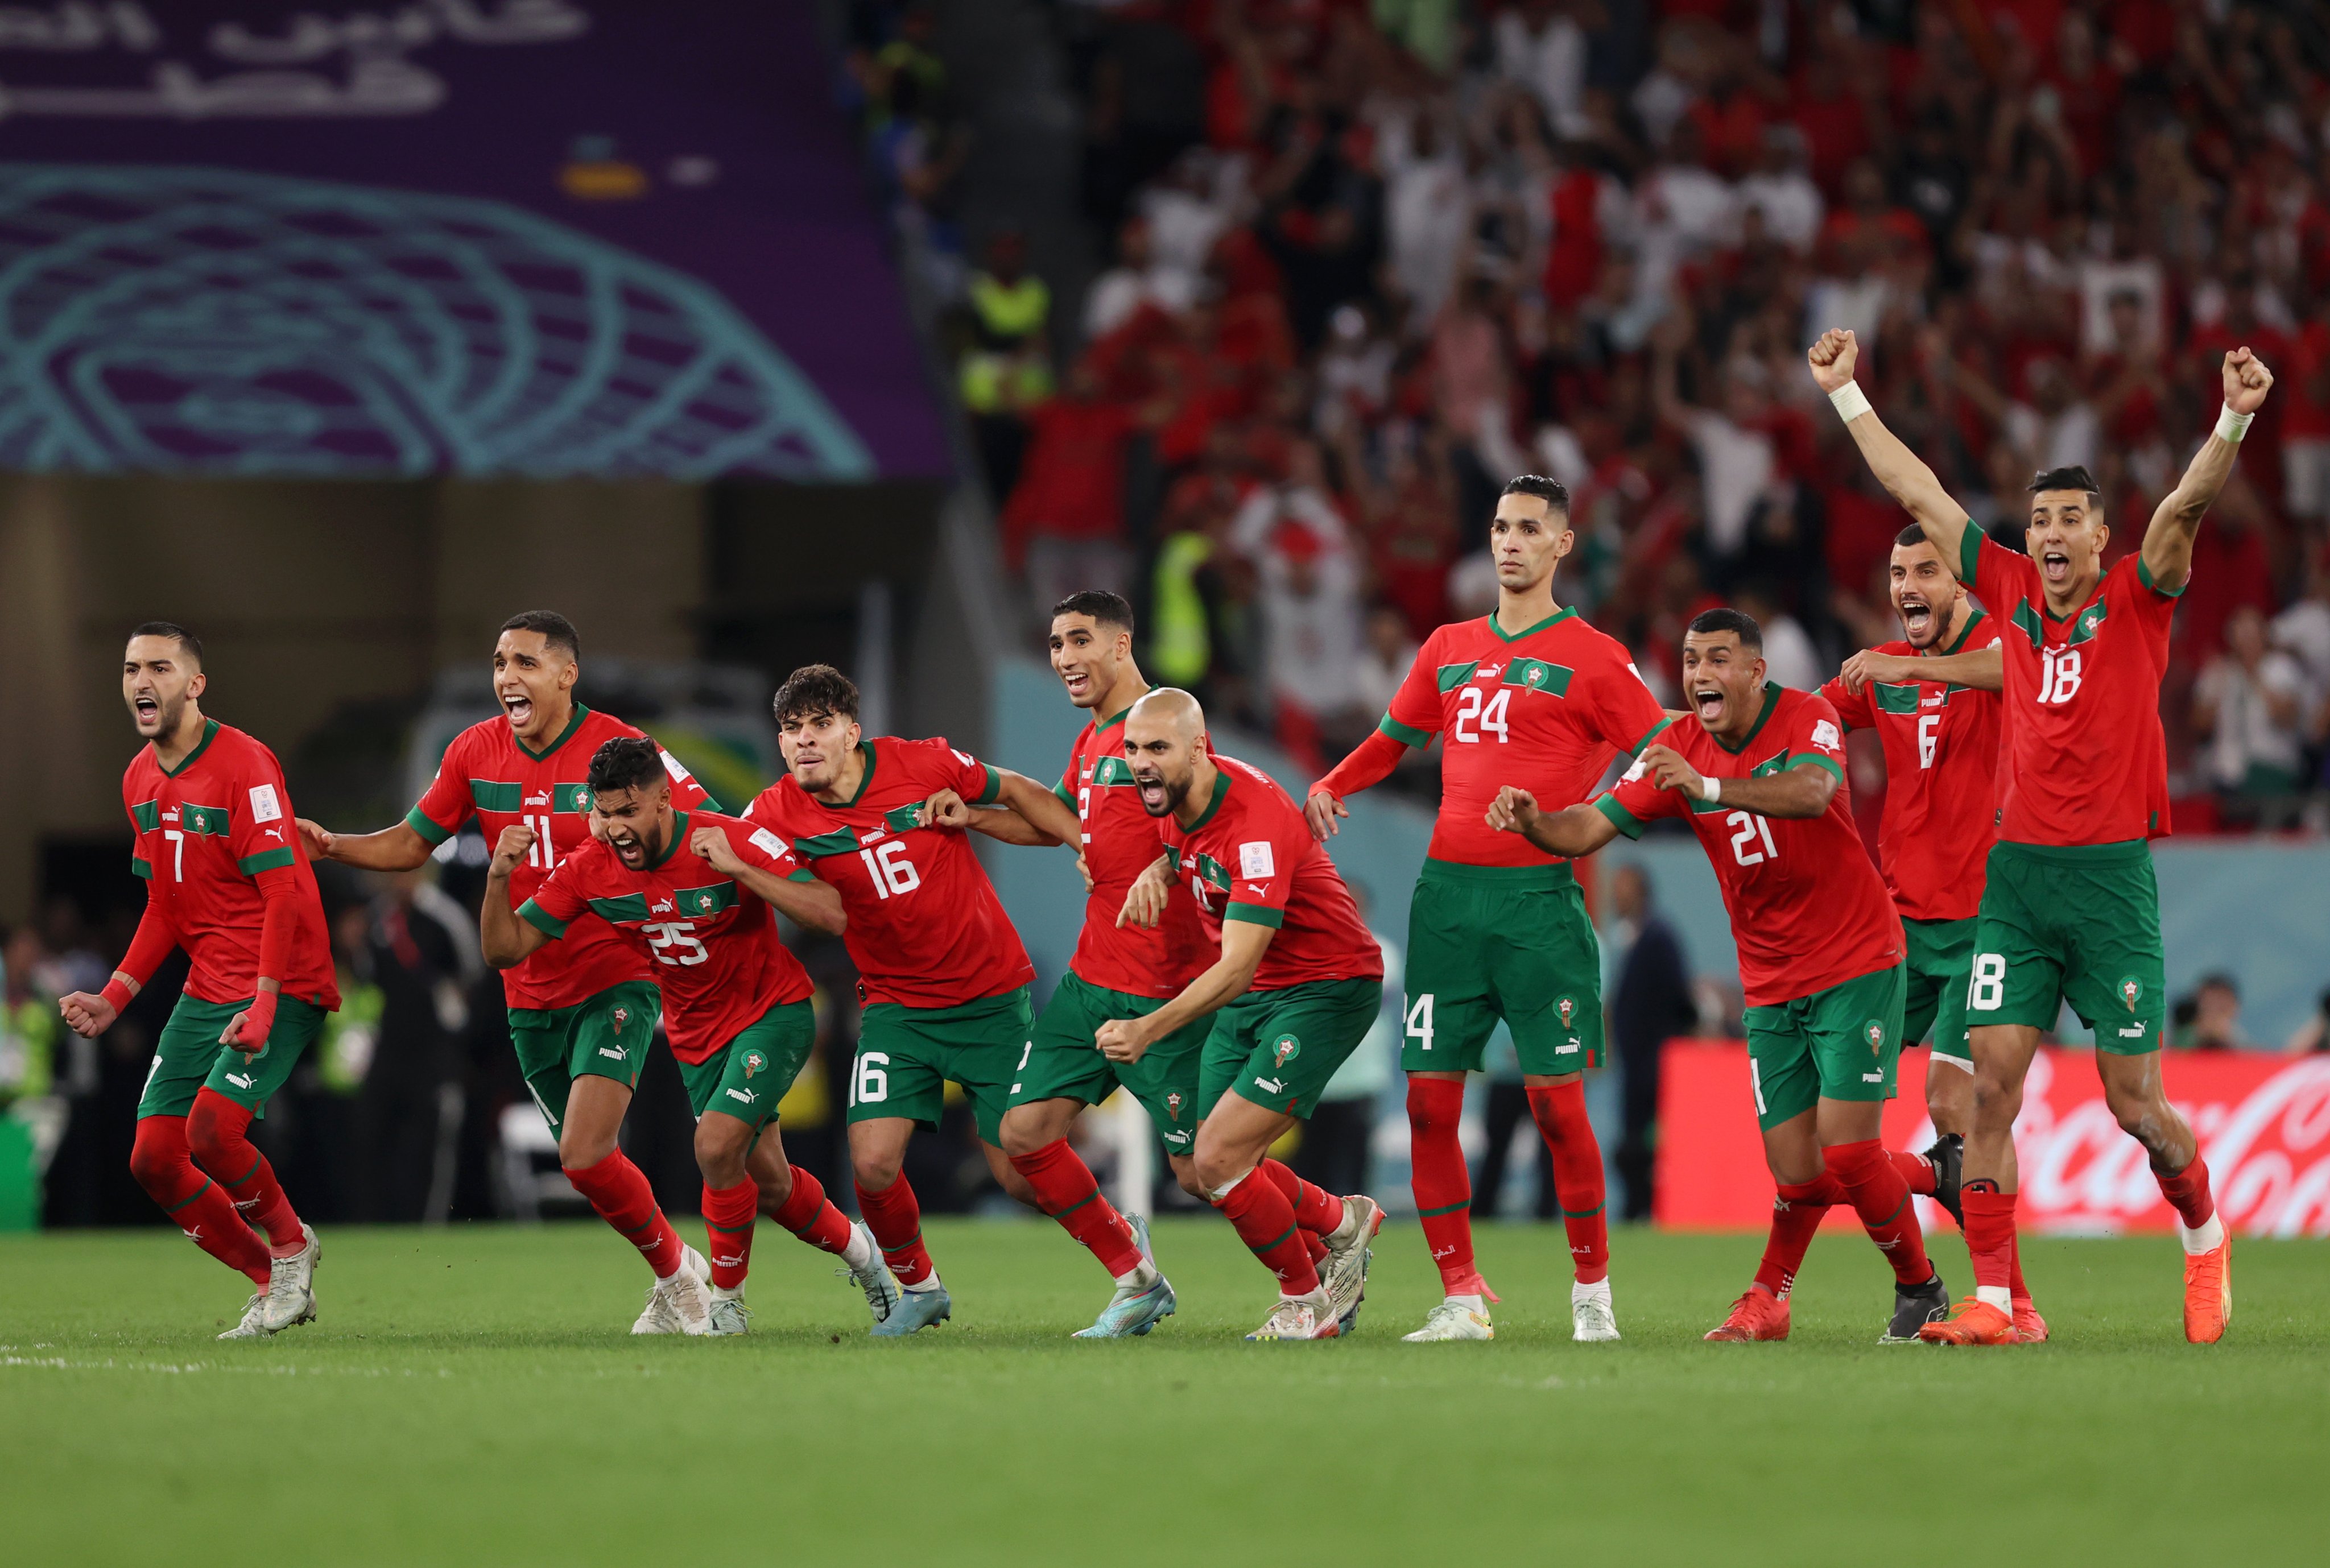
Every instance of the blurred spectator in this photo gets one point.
(1308, 573)
(2250, 705)
(29, 1026)
(1136, 281)
(1064, 523)
(1506, 1126)
(1385, 659)
(1005, 369)
(1649, 1004)
(2303, 632)
(2210, 1019)
(1788, 654)
(421, 952)
(2312, 1036)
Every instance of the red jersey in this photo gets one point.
(925, 927)
(1941, 766)
(2086, 759)
(1808, 910)
(1545, 710)
(1250, 856)
(1119, 843)
(488, 773)
(205, 831)
(714, 942)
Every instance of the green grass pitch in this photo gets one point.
(471, 1395)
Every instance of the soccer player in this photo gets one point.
(1932, 697)
(1296, 987)
(226, 879)
(943, 975)
(1758, 772)
(581, 1013)
(1118, 971)
(737, 1002)
(2070, 910)
(1497, 929)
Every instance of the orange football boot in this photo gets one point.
(2209, 1292)
(2029, 1326)
(1756, 1315)
(1973, 1322)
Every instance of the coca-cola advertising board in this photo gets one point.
(2263, 1123)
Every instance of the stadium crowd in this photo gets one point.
(1366, 260)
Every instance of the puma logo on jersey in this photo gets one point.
(873, 836)
(611, 1054)
(1487, 672)
(661, 906)
(276, 834)
(1933, 702)
(1872, 1078)
(1270, 1085)
(542, 799)
(746, 1096)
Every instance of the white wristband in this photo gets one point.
(1710, 788)
(2231, 427)
(1851, 401)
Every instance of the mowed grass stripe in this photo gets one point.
(470, 1394)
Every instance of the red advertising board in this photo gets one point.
(2263, 1122)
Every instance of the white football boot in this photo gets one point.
(291, 1285)
(254, 1320)
(1311, 1317)
(1457, 1317)
(1592, 1317)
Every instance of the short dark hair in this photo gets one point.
(1107, 608)
(1725, 618)
(187, 641)
(555, 630)
(2075, 478)
(815, 689)
(1552, 492)
(1912, 535)
(625, 762)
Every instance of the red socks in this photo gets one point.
(163, 1167)
(1065, 1190)
(619, 1192)
(728, 1214)
(1881, 1198)
(1990, 1239)
(1916, 1169)
(1264, 1220)
(807, 1214)
(1316, 1210)
(1577, 1156)
(216, 1131)
(2187, 1192)
(1797, 1213)
(1442, 1184)
(896, 1221)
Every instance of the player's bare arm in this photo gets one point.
(1320, 811)
(1982, 669)
(506, 940)
(1579, 830)
(1904, 474)
(1244, 944)
(1053, 818)
(945, 808)
(814, 905)
(1144, 900)
(393, 848)
(2168, 542)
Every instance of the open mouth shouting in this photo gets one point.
(518, 704)
(1155, 799)
(2055, 566)
(147, 707)
(1706, 702)
(628, 847)
(1916, 616)
(1079, 682)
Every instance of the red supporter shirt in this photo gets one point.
(2084, 758)
(1250, 857)
(925, 927)
(1808, 910)
(488, 773)
(713, 940)
(205, 834)
(1119, 843)
(1545, 710)
(1941, 770)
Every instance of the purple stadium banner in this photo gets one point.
(529, 236)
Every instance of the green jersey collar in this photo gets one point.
(1221, 790)
(565, 735)
(865, 779)
(1559, 616)
(1973, 620)
(1771, 701)
(679, 837)
(210, 733)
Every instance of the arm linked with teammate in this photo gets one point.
(1904, 474)
(812, 904)
(1579, 831)
(1981, 669)
(393, 848)
(2168, 542)
(1804, 789)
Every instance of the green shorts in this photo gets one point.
(1061, 1062)
(1941, 959)
(1277, 1049)
(2078, 925)
(1490, 942)
(604, 1037)
(1839, 1043)
(746, 1077)
(189, 1058)
(906, 1056)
